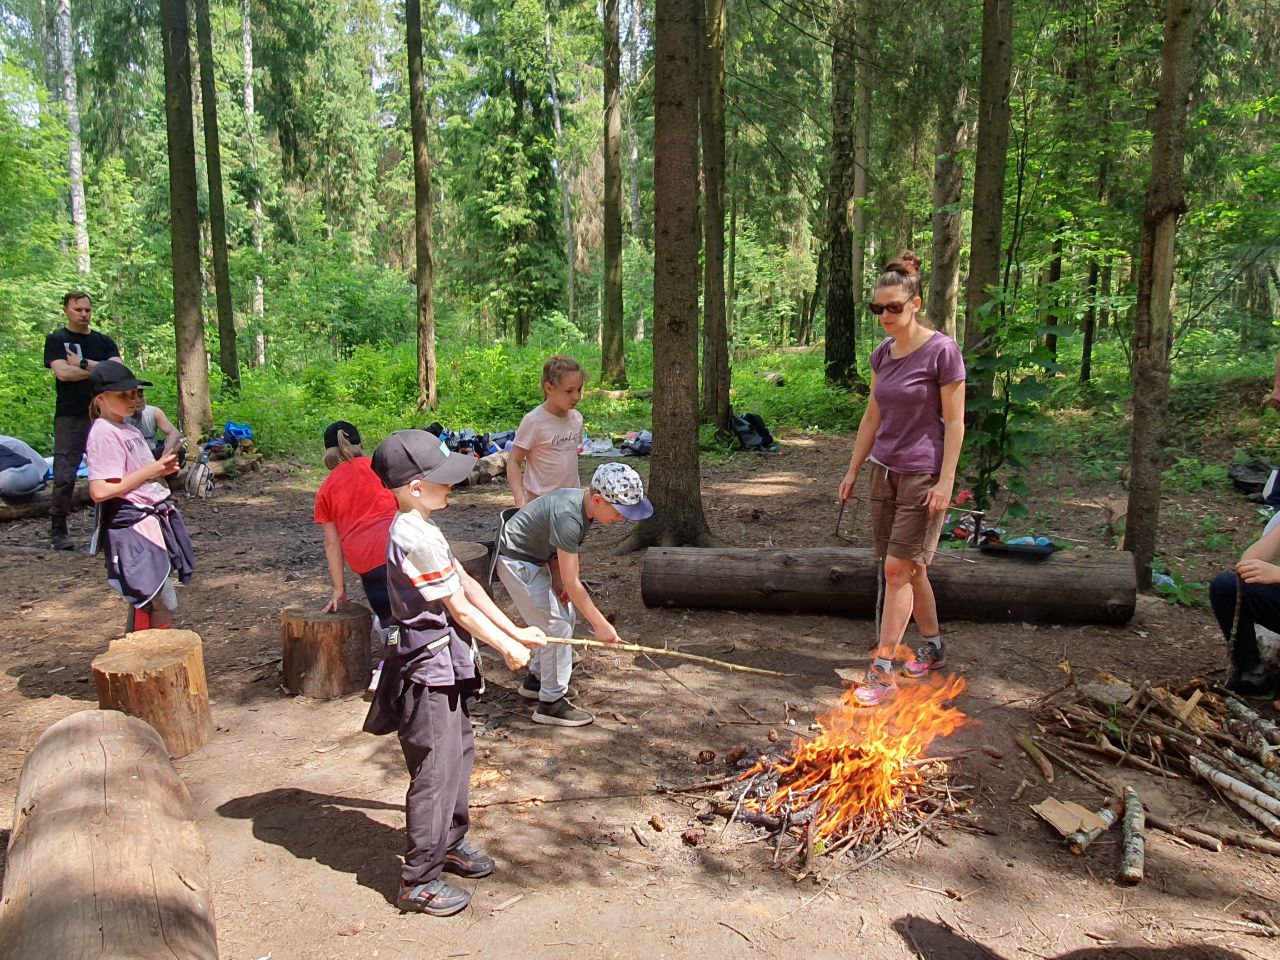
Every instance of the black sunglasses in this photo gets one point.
(879, 308)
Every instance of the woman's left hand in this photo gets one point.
(939, 497)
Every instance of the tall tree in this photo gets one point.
(613, 360)
(948, 180)
(1153, 317)
(562, 175)
(227, 357)
(715, 329)
(75, 161)
(674, 484)
(841, 349)
(194, 408)
(254, 185)
(425, 272)
(988, 178)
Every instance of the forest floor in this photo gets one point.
(302, 812)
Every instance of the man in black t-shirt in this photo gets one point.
(71, 353)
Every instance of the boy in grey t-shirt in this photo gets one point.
(538, 564)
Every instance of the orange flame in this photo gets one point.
(864, 762)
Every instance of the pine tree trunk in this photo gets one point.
(674, 484)
(731, 247)
(613, 360)
(75, 161)
(255, 193)
(1153, 320)
(566, 209)
(194, 409)
(988, 178)
(715, 340)
(861, 164)
(1090, 324)
(228, 359)
(841, 349)
(948, 221)
(425, 273)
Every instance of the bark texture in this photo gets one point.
(424, 275)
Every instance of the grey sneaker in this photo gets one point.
(927, 659)
(561, 713)
(532, 686)
(439, 898)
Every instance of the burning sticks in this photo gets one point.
(862, 783)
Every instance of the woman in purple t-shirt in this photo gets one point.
(911, 432)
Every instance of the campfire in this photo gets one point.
(864, 780)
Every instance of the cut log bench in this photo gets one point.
(158, 676)
(326, 655)
(104, 859)
(474, 558)
(1071, 586)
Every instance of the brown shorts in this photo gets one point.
(900, 523)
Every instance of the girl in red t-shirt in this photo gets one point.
(356, 511)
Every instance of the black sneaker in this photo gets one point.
(62, 542)
(561, 713)
(469, 861)
(439, 898)
(1256, 683)
(532, 686)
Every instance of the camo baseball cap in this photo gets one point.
(622, 487)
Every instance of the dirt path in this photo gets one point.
(301, 811)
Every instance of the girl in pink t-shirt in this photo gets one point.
(546, 444)
(139, 529)
(911, 432)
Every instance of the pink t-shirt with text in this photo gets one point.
(552, 443)
(116, 450)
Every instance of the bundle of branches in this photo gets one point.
(1175, 733)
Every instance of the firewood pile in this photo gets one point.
(1191, 732)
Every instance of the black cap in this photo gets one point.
(332, 430)
(112, 376)
(417, 455)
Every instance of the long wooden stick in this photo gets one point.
(1246, 714)
(1036, 755)
(637, 648)
(1196, 837)
(1235, 787)
(1238, 839)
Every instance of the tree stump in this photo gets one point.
(158, 676)
(474, 558)
(326, 655)
(104, 858)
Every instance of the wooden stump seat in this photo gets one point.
(326, 655)
(158, 676)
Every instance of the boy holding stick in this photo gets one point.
(538, 564)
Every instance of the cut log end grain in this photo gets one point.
(158, 676)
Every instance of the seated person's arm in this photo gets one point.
(515, 476)
(172, 435)
(1257, 564)
(571, 583)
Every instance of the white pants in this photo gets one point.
(530, 588)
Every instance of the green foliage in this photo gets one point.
(1188, 473)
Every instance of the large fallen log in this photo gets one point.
(104, 858)
(38, 504)
(1076, 586)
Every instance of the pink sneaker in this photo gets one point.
(927, 659)
(876, 688)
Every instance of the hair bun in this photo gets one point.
(908, 264)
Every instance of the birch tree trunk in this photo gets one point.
(194, 409)
(425, 272)
(613, 361)
(1152, 325)
(227, 356)
(75, 159)
(255, 197)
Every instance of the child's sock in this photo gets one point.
(935, 642)
(883, 664)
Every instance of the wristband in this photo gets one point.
(84, 364)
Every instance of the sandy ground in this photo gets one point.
(302, 814)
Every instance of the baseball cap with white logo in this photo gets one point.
(621, 486)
